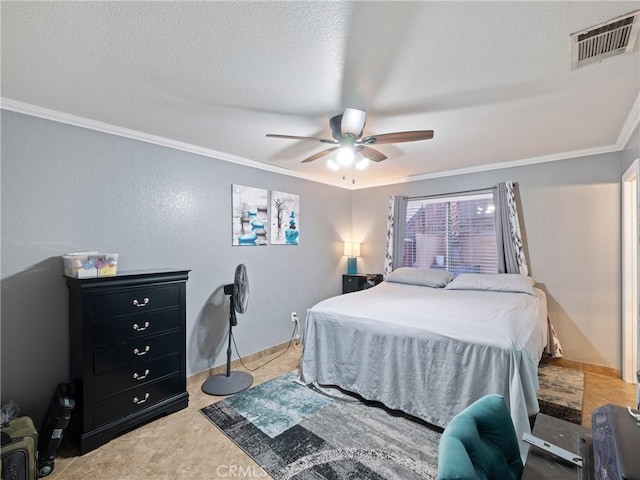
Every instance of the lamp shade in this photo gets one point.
(345, 156)
(362, 163)
(352, 249)
(353, 121)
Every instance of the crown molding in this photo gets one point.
(56, 116)
(498, 166)
(633, 119)
(20, 107)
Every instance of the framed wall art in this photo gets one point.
(285, 218)
(250, 218)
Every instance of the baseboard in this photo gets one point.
(198, 378)
(583, 366)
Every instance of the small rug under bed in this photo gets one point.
(561, 393)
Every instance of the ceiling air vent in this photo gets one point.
(615, 37)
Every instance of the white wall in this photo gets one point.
(632, 150)
(571, 217)
(67, 189)
(629, 155)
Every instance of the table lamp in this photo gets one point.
(352, 251)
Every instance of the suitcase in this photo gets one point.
(19, 450)
(53, 426)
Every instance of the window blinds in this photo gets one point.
(455, 233)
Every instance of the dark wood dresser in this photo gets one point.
(127, 341)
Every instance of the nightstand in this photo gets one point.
(360, 281)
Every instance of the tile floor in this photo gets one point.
(185, 445)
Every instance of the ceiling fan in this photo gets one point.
(347, 129)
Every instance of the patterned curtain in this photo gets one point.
(553, 348)
(388, 254)
(511, 258)
(395, 233)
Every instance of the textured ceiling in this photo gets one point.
(492, 79)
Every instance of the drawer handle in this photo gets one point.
(139, 328)
(138, 377)
(137, 401)
(144, 303)
(138, 352)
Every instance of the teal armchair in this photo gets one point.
(480, 443)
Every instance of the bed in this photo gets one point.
(429, 345)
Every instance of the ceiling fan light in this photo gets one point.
(362, 163)
(345, 156)
(332, 164)
(353, 121)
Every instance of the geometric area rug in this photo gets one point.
(561, 392)
(295, 432)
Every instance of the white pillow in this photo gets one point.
(494, 282)
(420, 276)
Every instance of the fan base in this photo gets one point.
(222, 385)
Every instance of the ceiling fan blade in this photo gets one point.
(397, 137)
(320, 154)
(294, 137)
(371, 154)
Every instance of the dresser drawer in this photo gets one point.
(136, 301)
(135, 375)
(135, 352)
(135, 399)
(114, 330)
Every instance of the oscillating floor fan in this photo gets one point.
(232, 382)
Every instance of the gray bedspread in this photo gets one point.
(429, 352)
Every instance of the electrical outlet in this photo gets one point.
(294, 317)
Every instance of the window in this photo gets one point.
(457, 234)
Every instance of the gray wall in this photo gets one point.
(571, 220)
(67, 189)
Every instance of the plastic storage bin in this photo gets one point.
(107, 264)
(90, 264)
(77, 265)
